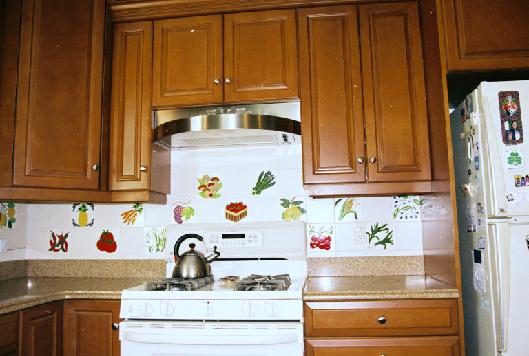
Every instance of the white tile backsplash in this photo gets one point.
(238, 169)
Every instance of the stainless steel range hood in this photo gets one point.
(240, 125)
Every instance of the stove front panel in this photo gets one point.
(228, 310)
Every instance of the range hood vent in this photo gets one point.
(251, 125)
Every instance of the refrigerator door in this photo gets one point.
(502, 108)
(510, 275)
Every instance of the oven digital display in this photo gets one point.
(233, 236)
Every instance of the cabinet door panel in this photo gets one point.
(59, 95)
(331, 96)
(88, 328)
(9, 332)
(41, 329)
(187, 61)
(394, 93)
(130, 126)
(409, 346)
(260, 56)
(486, 35)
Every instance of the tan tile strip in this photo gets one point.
(366, 266)
(12, 269)
(96, 268)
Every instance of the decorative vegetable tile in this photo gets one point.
(106, 242)
(129, 217)
(346, 209)
(83, 214)
(155, 239)
(7, 215)
(407, 207)
(380, 235)
(58, 242)
(182, 212)
(264, 181)
(209, 187)
(236, 211)
(320, 240)
(293, 209)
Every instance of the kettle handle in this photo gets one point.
(182, 239)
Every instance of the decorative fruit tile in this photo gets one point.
(320, 240)
(83, 214)
(133, 216)
(58, 242)
(106, 242)
(209, 187)
(292, 209)
(380, 235)
(182, 211)
(236, 211)
(155, 240)
(407, 207)
(347, 210)
(7, 215)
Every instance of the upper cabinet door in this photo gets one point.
(260, 56)
(331, 96)
(57, 141)
(486, 35)
(394, 93)
(188, 61)
(130, 123)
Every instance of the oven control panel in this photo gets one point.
(234, 239)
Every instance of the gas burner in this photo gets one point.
(178, 284)
(257, 282)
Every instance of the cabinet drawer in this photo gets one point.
(9, 333)
(377, 318)
(405, 346)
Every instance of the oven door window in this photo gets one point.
(211, 339)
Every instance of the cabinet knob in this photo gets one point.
(216, 81)
(115, 326)
(143, 168)
(360, 160)
(382, 320)
(95, 167)
(372, 159)
(227, 80)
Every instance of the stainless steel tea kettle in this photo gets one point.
(192, 264)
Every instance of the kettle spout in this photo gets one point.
(213, 256)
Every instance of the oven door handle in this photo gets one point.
(175, 339)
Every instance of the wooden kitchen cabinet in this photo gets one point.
(134, 164)
(241, 57)
(410, 346)
(382, 327)
(369, 79)
(9, 334)
(41, 330)
(58, 110)
(90, 327)
(486, 35)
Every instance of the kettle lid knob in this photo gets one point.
(192, 246)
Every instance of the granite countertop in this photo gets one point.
(20, 293)
(376, 287)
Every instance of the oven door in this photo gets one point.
(150, 338)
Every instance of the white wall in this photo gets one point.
(237, 169)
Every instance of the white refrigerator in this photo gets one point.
(491, 158)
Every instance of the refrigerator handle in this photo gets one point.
(499, 234)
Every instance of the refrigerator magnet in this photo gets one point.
(481, 243)
(521, 180)
(527, 241)
(514, 159)
(511, 117)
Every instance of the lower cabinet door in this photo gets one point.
(89, 327)
(41, 330)
(405, 346)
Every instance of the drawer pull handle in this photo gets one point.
(383, 355)
(382, 320)
(115, 326)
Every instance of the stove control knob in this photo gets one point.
(245, 308)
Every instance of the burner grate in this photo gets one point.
(179, 284)
(256, 282)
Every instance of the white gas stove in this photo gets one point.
(252, 305)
